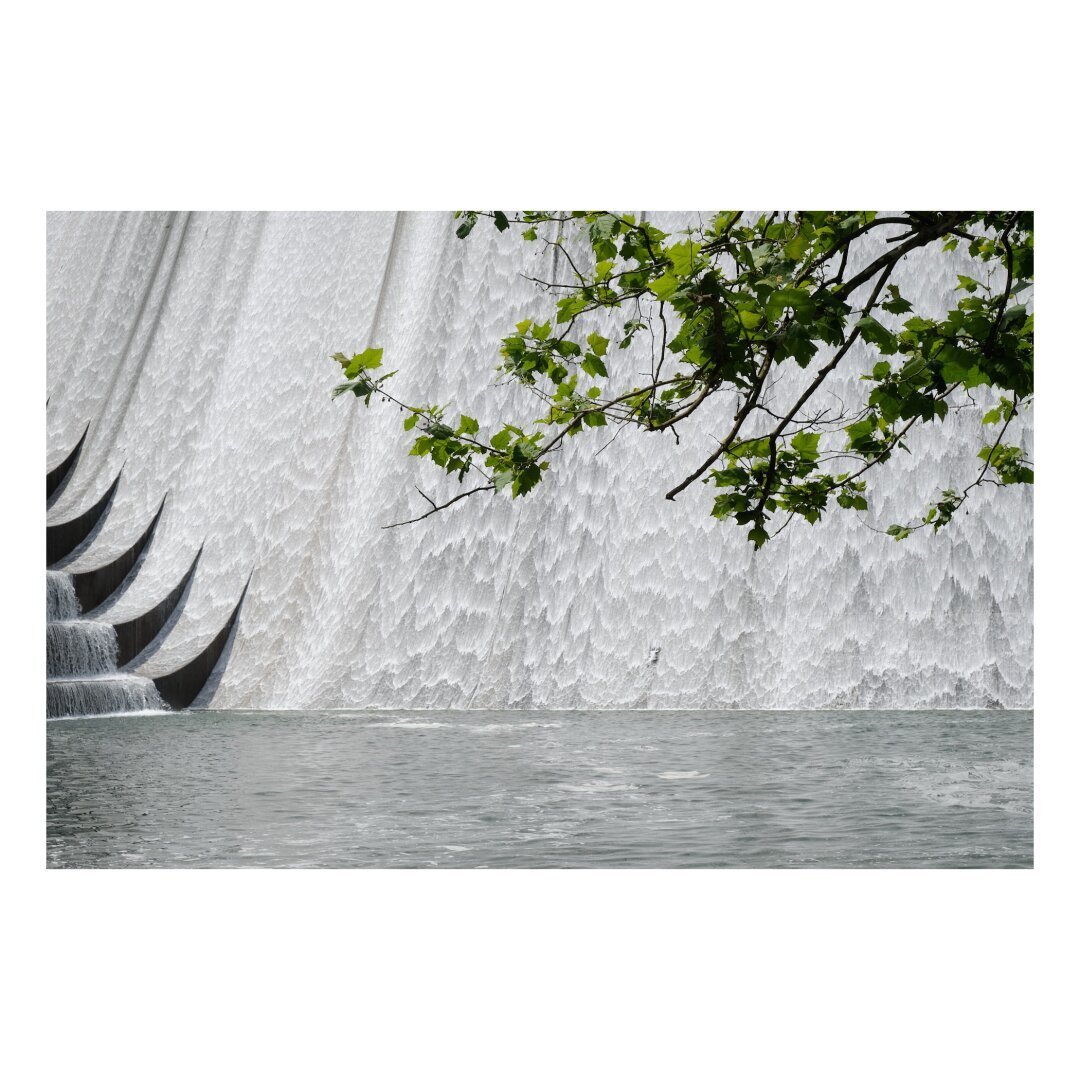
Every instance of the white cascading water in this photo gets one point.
(80, 655)
(197, 346)
(80, 647)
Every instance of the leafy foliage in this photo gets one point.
(761, 311)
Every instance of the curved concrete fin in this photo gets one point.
(56, 478)
(94, 587)
(61, 540)
(180, 688)
(134, 635)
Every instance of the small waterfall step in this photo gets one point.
(60, 599)
(75, 647)
(99, 695)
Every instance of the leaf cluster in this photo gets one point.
(728, 307)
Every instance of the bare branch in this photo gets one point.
(436, 508)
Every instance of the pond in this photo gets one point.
(541, 789)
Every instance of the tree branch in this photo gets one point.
(436, 508)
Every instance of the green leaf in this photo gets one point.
(805, 444)
(729, 477)
(758, 537)
(955, 370)
(369, 359)
(796, 299)
(896, 304)
(876, 334)
(851, 502)
(500, 221)
(683, 256)
(890, 406)
(467, 425)
(526, 480)
(467, 224)
(752, 448)
(664, 286)
(795, 248)
(603, 268)
(598, 343)
(593, 365)
(502, 440)
(569, 306)
(1015, 314)
(861, 435)
(594, 419)
(882, 369)
(723, 220)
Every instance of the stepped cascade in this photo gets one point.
(82, 677)
(190, 352)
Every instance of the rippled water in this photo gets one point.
(532, 789)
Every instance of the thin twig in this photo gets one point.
(443, 506)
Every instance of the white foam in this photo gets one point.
(419, 725)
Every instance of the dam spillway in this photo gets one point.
(195, 346)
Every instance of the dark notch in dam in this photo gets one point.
(94, 587)
(180, 687)
(136, 634)
(62, 539)
(56, 479)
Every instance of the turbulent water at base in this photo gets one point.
(531, 789)
(80, 655)
(197, 345)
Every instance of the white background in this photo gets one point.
(537, 973)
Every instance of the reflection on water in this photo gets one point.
(571, 789)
